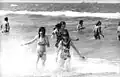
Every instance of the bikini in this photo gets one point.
(42, 43)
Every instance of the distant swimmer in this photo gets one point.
(5, 27)
(97, 30)
(80, 26)
(64, 55)
(118, 31)
(42, 42)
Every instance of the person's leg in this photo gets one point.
(119, 37)
(43, 59)
(60, 61)
(37, 60)
(67, 64)
(98, 36)
(95, 36)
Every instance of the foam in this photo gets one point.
(64, 13)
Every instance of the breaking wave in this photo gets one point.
(64, 13)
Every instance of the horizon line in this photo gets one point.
(54, 2)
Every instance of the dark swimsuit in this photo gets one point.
(59, 38)
(65, 53)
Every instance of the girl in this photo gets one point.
(60, 27)
(64, 49)
(97, 30)
(42, 42)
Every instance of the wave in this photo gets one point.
(13, 5)
(64, 13)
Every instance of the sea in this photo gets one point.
(102, 56)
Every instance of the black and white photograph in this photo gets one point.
(59, 38)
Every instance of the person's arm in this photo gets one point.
(54, 34)
(74, 39)
(47, 42)
(31, 41)
(76, 50)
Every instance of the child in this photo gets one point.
(80, 25)
(42, 42)
(5, 27)
(64, 55)
(118, 31)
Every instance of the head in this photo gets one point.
(57, 26)
(65, 35)
(98, 23)
(63, 24)
(81, 22)
(42, 31)
(6, 18)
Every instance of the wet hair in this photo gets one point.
(6, 18)
(57, 26)
(63, 23)
(43, 30)
(98, 23)
(81, 21)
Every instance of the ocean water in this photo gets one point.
(62, 9)
(102, 56)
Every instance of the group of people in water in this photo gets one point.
(63, 40)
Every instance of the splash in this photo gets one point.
(19, 60)
(64, 13)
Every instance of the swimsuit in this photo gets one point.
(65, 51)
(41, 51)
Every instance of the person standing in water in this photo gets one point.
(97, 30)
(118, 31)
(58, 31)
(42, 42)
(5, 27)
(80, 26)
(64, 55)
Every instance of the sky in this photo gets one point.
(64, 1)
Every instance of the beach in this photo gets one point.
(103, 56)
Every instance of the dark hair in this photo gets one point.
(43, 30)
(81, 21)
(57, 26)
(98, 23)
(63, 23)
(6, 18)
